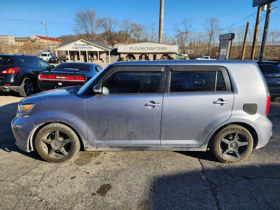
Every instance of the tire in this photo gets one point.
(57, 143)
(232, 144)
(27, 87)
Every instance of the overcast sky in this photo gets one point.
(23, 18)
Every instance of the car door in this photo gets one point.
(129, 111)
(198, 99)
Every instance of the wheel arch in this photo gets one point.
(39, 127)
(245, 125)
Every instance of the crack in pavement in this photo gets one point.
(211, 185)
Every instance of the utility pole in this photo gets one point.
(245, 41)
(44, 23)
(267, 19)
(256, 33)
(161, 21)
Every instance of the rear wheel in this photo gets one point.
(57, 142)
(27, 87)
(232, 144)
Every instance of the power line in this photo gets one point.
(36, 21)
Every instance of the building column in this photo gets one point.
(87, 56)
(68, 56)
(80, 55)
(56, 53)
(98, 56)
(109, 56)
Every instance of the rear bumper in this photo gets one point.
(48, 85)
(9, 88)
(264, 130)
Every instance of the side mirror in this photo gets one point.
(99, 89)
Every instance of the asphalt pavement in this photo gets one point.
(137, 179)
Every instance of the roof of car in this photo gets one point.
(80, 63)
(17, 55)
(183, 62)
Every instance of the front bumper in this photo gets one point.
(22, 128)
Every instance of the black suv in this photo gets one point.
(19, 73)
(271, 73)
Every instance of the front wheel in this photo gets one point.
(57, 143)
(232, 144)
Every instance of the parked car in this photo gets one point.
(151, 105)
(46, 56)
(204, 58)
(271, 72)
(19, 73)
(67, 74)
(55, 59)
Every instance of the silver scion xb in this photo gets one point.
(152, 105)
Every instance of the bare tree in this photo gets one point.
(109, 27)
(85, 22)
(153, 33)
(212, 29)
(125, 28)
(182, 32)
(136, 31)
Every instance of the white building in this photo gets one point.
(84, 51)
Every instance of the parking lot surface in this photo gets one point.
(137, 179)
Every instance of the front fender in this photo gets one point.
(76, 123)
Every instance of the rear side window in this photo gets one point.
(134, 82)
(197, 81)
(6, 60)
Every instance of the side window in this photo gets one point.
(221, 85)
(134, 82)
(185, 81)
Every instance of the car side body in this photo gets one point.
(46, 56)
(148, 105)
(18, 73)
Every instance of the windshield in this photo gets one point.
(73, 66)
(44, 54)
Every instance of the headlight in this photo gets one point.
(25, 108)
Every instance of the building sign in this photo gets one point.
(147, 48)
(261, 2)
(79, 46)
(225, 45)
(82, 46)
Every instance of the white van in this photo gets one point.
(46, 56)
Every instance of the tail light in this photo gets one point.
(66, 78)
(267, 105)
(11, 71)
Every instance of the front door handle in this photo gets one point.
(220, 101)
(152, 104)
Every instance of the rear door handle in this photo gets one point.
(152, 104)
(220, 101)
